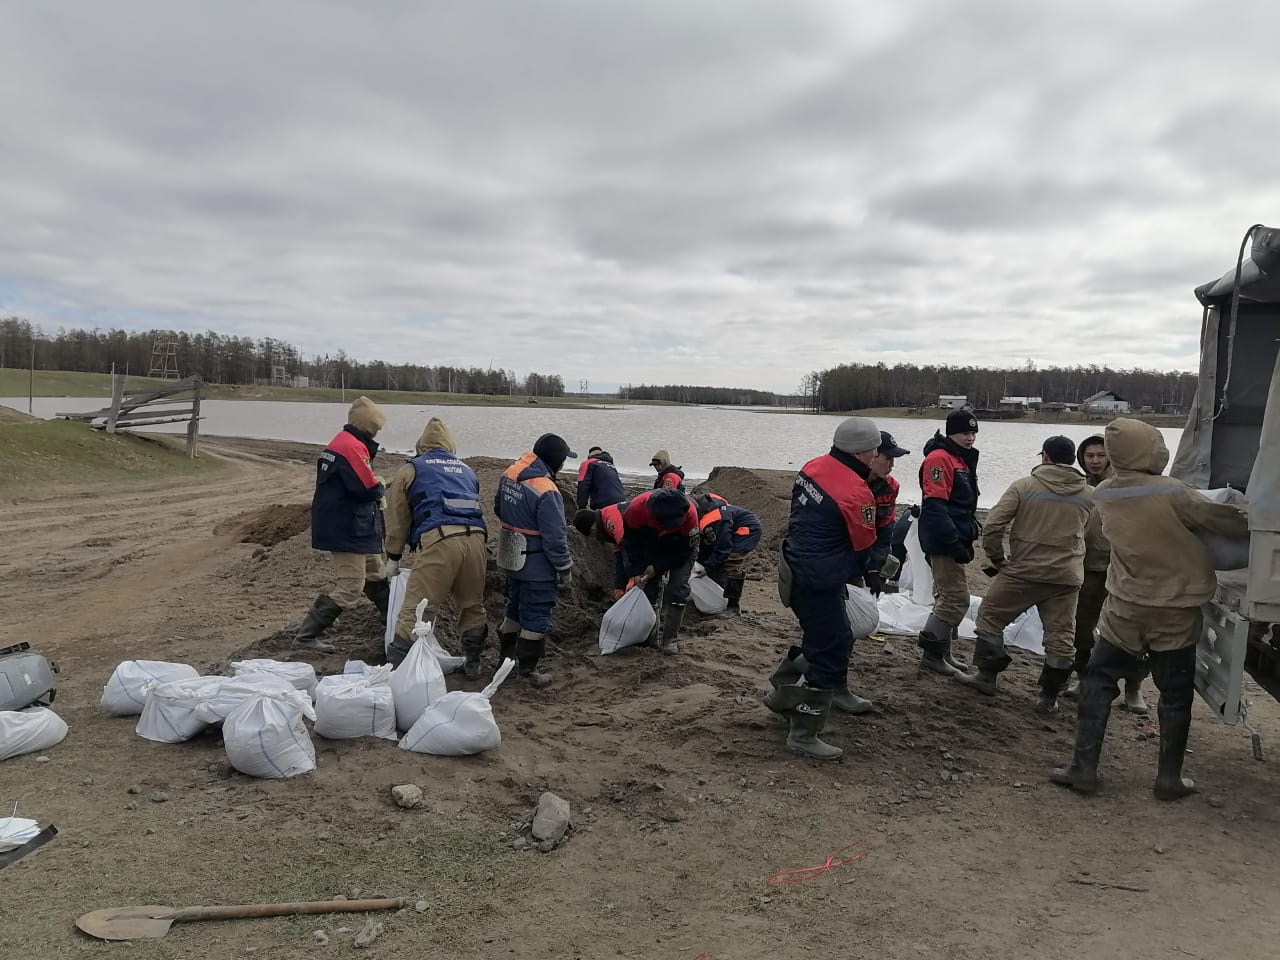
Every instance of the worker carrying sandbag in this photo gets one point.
(727, 536)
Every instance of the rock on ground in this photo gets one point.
(551, 819)
(407, 795)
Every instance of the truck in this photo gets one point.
(1231, 445)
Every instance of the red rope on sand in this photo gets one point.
(836, 859)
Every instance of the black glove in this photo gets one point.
(991, 571)
(874, 583)
(564, 578)
(962, 552)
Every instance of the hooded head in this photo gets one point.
(552, 450)
(1088, 445)
(668, 507)
(1135, 447)
(367, 416)
(660, 460)
(592, 451)
(436, 436)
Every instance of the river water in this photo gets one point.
(698, 438)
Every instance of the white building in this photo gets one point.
(948, 402)
(1105, 402)
(1029, 403)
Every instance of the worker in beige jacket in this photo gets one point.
(1161, 573)
(433, 507)
(1044, 516)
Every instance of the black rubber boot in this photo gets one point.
(1174, 673)
(1053, 677)
(379, 591)
(990, 661)
(1078, 667)
(672, 617)
(935, 646)
(1107, 665)
(733, 595)
(530, 648)
(507, 646)
(319, 618)
(808, 719)
(782, 697)
(472, 650)
(399, 649)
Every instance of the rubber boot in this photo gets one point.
(1078, 667)
(935, 646)
(950, 658)
(846, 701)
(319, 618)
(782, 696)
(472, 649)
(508, 637)
(1053, 678)
(1101, 683)
(733, 595)
(1134, 702)
(530, 648)
(808, 719)
(989, 661)
(672, 617)
(399, 649)
(1174, 673)
(379, 592)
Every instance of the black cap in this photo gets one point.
(591, 450)
(669, 508)
(961, 421)
(889, 446)
(1059, 449)
(584, 520)
(552, 450)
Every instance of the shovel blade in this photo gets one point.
(127, 923)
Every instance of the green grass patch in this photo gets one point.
(67, 452)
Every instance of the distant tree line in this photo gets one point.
(682, 393)
(858, 386)
(220, 358)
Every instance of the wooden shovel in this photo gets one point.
(142, 923)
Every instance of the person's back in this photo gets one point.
(1046, 542)
(599, 485)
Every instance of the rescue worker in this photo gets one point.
(1160, 575)
(828, 544)
(598, 483)
(1092, 457)
(346, 521)
(533, 550)
(948, 529)
(1044, 516)
(606, 525)
(728, 535)
(669, 477)
(885, 489)
(433, 507)
(659, 542)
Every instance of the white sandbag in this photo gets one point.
(416, 683)
(864, 615)
(395, 600)
(459, 723)
(126, 690)
(26, 731)
(356, 705)
(921, 576)
(16, 831)
(708, 596)
(628, 622)
(426, 630)
(170, 713)
(301, 675)
(900, 617)
(265, 735)
(233, 691)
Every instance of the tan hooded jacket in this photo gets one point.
(367, 416)
(1045, 516)
(1151, 521)
(399, 514)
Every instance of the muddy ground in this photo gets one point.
(684, 801)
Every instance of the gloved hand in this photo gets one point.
(393, 567)
(962, 552)
(874, 583)
(564, 578)
(648, 574)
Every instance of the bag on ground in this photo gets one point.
(628, 622)
(301, 675)
(863, 612)
(708, 596)
(233, 691)
(459, 723)
(417, 682)
(426, 630)
(126, 690)
(265, 735)
(26, 731)
(170, 713)
(356, 705)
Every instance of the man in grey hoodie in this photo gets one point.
(1044, 516)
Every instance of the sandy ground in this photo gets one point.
(684, 801)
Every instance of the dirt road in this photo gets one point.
(684, 802)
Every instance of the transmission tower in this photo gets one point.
(164, 355)
(583, 386)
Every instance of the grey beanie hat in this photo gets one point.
(857, 434)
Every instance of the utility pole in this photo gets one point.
(31, 376)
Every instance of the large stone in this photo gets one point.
(551, 819)
(407, 795)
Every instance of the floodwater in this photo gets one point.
(698, 438)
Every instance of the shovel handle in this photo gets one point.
(285, 909)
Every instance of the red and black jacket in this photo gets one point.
(833, 522)
(344, 510)
(949, 485)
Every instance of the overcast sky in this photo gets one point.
(718, 192)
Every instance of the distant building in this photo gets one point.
(948, 402)
(1021, 403)
(1105, 402)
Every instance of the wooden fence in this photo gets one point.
(165, 405)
